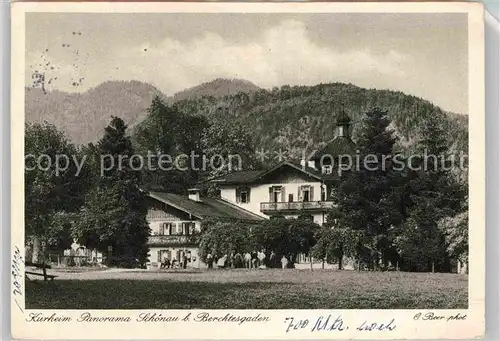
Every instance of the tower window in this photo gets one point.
(327, 169)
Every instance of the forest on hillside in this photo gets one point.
(303, 117)
(293, 118)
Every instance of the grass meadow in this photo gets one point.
(250, 289)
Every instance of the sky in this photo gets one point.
(425, 55)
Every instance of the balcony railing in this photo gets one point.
(295, 206)
(169, 240)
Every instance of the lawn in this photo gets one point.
(263, 289)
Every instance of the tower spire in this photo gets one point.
(343, 122)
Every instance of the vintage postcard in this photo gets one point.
(248, 171)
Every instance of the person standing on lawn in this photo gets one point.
(210, 261)
(284, 262)
(272, 260)
(238, 260)
(262, 256)
(254, 259)
(231, 260)
(248, 260)
(221, 262)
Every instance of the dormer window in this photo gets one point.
(327, 169)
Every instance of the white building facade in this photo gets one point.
(288, 189)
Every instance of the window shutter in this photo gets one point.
(270, 194)
(238, 195)
(248, 195)
(298, 194)
(283, 194)
(312, 194)
(159, 257)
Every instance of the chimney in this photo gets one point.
(309, 163)
(194, 194)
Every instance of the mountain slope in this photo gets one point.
(296, 119)
(217, 88)
(83, 116)
(303, 117)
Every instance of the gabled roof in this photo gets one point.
(208, 207)
(249, 177)
(240, 177)
(305, 169)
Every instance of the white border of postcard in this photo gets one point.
(274, 327)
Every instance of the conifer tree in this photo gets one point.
(435, 195)
(366, 199)
(114, 214)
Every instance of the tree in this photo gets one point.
(208, 150)
(420, 244)
(224, 237)
(336, 243)
(52, 187)
(436, 195)
(114, 213)
(366, 199)
(456, 234)
(226, 148)
(288, 237)
(170, 133)
(59, 237)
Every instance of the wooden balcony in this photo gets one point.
(274, 207)
(169, 240)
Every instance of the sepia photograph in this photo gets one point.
(248, 160)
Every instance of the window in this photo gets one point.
(192, 228)
(276, 194)
(188, 228)
(244, 196)
(290, 197)
(164, 254)
(166, 229)
(327, 169)
(179, 228)
(306, 193)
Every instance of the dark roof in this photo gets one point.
(246, 176)
(208, 207)
(305, 169)
(341, 145)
